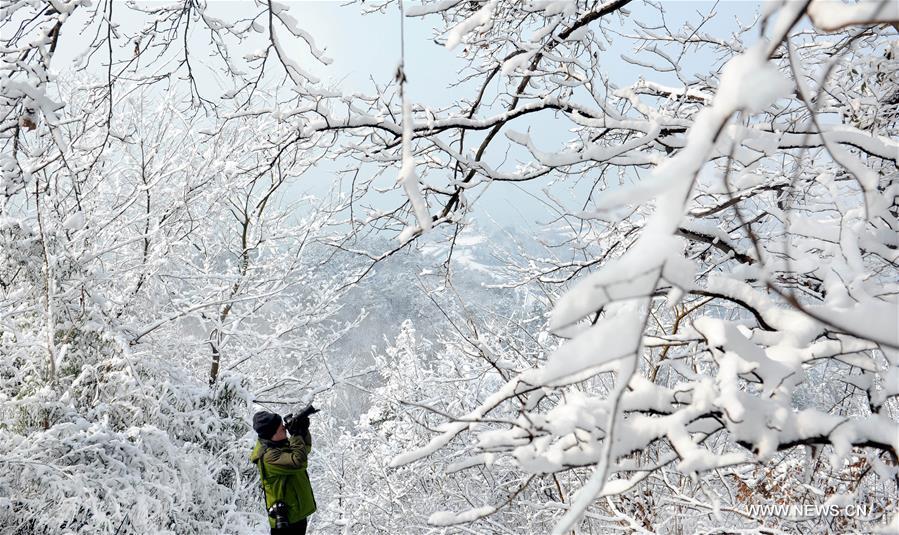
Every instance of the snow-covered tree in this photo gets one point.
(718, 276)
(732, 247)
(133, 280)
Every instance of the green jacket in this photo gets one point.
(282, 470)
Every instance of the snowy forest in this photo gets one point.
(544, 266)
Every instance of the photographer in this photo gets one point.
(282, 469)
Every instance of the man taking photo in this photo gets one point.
(282, 469)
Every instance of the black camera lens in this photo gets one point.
(278, 511)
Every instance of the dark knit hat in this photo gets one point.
(266, 424)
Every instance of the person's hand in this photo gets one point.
(298, 426)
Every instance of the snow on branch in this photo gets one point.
(835, 15)
(748, 278)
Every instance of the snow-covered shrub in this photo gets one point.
(123, 446)
(420, 382)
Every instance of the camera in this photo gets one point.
(305, 413)
(278, 511)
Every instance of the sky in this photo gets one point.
(365, 46)
(365, 49)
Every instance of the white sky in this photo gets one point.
(367, 47)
